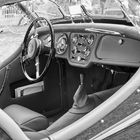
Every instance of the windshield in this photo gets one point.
(131, 9)
(97, 7)
(16, 18)
(44, 8)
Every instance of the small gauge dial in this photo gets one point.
(90, 39)
(75, 39)
(61, 44)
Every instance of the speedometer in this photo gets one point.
(61, 44)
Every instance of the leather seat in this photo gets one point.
(27, 119)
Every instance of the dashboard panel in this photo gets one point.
(82, 46)
(119, 49)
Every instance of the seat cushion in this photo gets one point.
(26, 118)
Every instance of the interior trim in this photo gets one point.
(29, 89)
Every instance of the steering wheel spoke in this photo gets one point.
(37, 67)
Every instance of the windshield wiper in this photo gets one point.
(60, 9)
(86, 12)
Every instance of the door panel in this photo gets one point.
(47, 100)
(3, 82)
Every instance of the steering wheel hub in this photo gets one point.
(33, 48)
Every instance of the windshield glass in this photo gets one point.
(131, 9)
(97, 7)
(44, 8)
(16, 18)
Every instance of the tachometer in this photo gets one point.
(61, 44)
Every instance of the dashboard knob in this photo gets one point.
(74, 50)
(90, 39)
(78, 58)
(75, 39)
(121, 41)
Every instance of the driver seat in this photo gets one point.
(28, 120)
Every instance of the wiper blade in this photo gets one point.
(86, 12)
(59, 7)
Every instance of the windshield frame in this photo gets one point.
(34, 14)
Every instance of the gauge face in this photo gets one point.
(61, 44)
(90, 39)
(47, 41)
(75, 39)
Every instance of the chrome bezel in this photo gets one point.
(59, 44)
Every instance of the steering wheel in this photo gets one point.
(33, 48)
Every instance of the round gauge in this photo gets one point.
(61, 44)
(90, 39)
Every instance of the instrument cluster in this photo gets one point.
(60, 45)
(81, 46)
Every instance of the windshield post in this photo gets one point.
(132, 11)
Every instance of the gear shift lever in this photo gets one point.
(80, 96)
(81, 79)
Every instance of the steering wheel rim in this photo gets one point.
(38, 42)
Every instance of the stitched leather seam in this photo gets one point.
(24, 123)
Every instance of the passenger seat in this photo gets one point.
(27, 119)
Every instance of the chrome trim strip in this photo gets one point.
(121, 125)
(103, 31)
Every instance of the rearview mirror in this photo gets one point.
(75, 10)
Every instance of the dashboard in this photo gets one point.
(82, 46)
